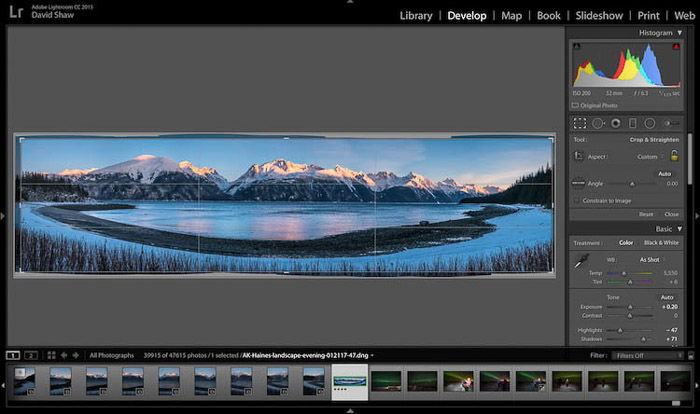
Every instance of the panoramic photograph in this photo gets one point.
(95, 380)
(458, 381)
(241, 380)
(132, 381)
(24, 381)
(349, 381)
(277, 381)
(60, 380)
(314, 380)
(422, 381)
(301, 206)
(205, 381)
(168, 381)
(494, 381)
(603, 381)
(386, 381)
(531, 381)
(675, 381)
(566, 381)
(639, 381)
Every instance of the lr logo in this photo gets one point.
(18, 14)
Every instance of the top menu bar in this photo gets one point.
(545, 16)
(327, 12)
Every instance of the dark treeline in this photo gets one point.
(33, 186)
(533, 188)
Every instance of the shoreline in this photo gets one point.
(352, 244)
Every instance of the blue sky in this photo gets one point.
(61, 372)
(132, 371)
(210, 372)
(469, 161)
(277, 371)
(314, 371)
(168, 372)
(96, 371)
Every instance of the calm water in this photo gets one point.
(311, 386)
(202, 384)
(21, 387)
(278, 220)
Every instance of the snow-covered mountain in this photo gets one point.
(276, 170)
(384, 179)
(153, 178)
(281, 179)
(347, 176)
(418, 181)
(493, 189)
(148, 177)
(144, 168)
(286, 171)
(450, 186)
(209, 173)
(147, 169)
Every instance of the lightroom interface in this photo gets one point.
(348, 205)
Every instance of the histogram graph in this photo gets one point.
(634, 65)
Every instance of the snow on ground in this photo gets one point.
(30, 219)
(528, 226)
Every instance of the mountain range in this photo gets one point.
(149, 177)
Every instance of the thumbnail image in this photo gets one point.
(132, 381)
(204, 381)
(277, 381)
(675, 381)
(426, 381)
(350, 381)
(458, 381)
(603, 381)
(60, 380)
(168, 381)
(386, 381)
(95, 380)
(389, 207)
(531, 381)
(494, 381)
(639, 381)
(314, 380)
(567, 381)
(241, 380)
(25, 381)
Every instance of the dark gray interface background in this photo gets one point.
(182, 79)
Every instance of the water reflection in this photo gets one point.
(278, 220)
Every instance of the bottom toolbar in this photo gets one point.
(351, 382)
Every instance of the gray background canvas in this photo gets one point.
(186, 79)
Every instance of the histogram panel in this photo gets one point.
(627, 65)
(629, 75)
